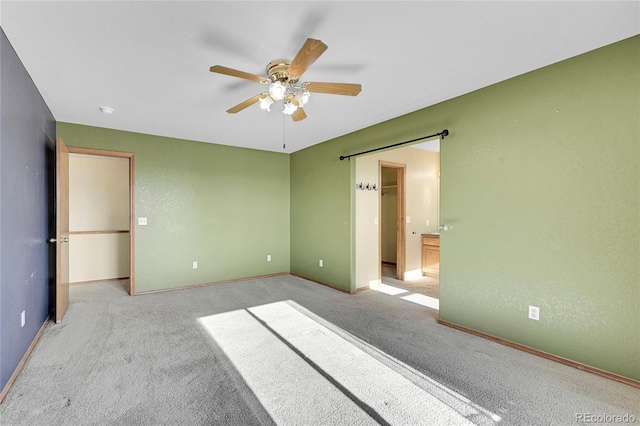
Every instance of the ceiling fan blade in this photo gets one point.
(334, 88)
(299, 114)
(245, 104)
(240, 74)
(307, 55)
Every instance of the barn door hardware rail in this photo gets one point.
(442, 135)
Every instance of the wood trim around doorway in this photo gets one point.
(132, 191)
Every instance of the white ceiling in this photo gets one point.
(150, 60)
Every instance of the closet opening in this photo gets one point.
(101, 229)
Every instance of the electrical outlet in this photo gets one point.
(534, 313)
(23, 319)
(142, 221)
(195, 265)
(268, 258)
(321, 263)
(428, 222)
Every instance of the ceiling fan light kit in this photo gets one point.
(282, 78)
(266, 101)
(277, 90)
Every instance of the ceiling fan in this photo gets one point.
(282, 78)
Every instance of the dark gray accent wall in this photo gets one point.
(27, 141)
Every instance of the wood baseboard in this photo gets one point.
(323, 283)
(571, 363)
(253, 278)
(18, 369)
(98, 281)
(235, 280)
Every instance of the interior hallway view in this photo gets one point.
(283, 350)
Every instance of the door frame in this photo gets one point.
(62, 229)
(131, 157)
(401, 224)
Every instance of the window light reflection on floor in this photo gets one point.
(420, 299)
(424, 300)
(389, 289)
(289, 356)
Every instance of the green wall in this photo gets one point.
(321, 225)
(540, 178)
(226, 208)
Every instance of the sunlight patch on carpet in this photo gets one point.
(424, 300)
(305, 370)
(389, 289)
(420, 299)
(413, 275)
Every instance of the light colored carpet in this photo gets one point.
(286, 351)
(428, 286)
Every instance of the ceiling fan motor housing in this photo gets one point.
(278, 70)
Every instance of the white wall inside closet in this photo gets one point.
(98, 218)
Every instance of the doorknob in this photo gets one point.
(62, 240)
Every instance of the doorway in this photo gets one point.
(102, 231)
(418, 215)
(392, 219)
(421, 280)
